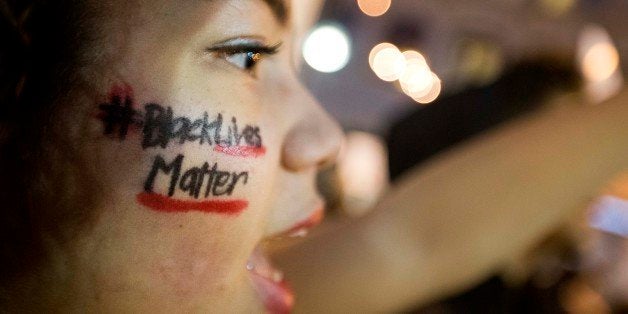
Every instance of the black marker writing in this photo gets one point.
(118, 115)
(197, 182)
(161, 127)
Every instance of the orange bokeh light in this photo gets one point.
(374, 7)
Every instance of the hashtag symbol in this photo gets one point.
(118, 116)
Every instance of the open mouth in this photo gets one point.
(269, 282)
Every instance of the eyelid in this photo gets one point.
(232, 50)
(237, 45)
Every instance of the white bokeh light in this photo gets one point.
(327, 49)
(387, 62)
(376, 50)
(411, 68)
(413, 55)
(417, 80)
(433, 93)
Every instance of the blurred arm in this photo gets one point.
(454, 220)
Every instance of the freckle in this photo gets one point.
(180, 226)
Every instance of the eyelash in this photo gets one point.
(244, 56)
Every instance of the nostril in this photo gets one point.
(313, 142)
(305, 150)
(329, 159)
(325, 163)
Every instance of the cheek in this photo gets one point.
(194, 264)
(191, 161)
(163, 161)
(190, 186)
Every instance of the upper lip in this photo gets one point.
(306, 224)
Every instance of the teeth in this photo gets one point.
(250, 266)
(260, 265)
(277, 276)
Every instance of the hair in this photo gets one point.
(40, 61)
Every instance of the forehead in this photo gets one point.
(171, 18)
(280, 9)
(124, 23)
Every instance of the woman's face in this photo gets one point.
(201, 144)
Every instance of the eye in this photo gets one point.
(243, 54)
(244, 60)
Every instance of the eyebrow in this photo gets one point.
(279, 8)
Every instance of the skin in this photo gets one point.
(466, 214)
(134, 259)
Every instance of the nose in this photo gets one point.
(314, 139)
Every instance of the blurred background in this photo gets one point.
(466, 43)
(411, 79)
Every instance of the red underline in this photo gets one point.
(166, 204)
(241, 151)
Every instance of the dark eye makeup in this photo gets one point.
(244, 54)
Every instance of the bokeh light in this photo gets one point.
(433, 93)
(414, 55)
(600, 61)
(377, 49)
(374, 7)
(327, 49)
(387, 62)
(362, 171)
(556, 7)
(416, 81)
(480, 62)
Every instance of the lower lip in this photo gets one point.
(166, 204)
(278, 298)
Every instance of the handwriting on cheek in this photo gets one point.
(119, 115)
(161, 127)
(197, 182)
(207, 187)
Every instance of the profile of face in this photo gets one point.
(199, 144)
